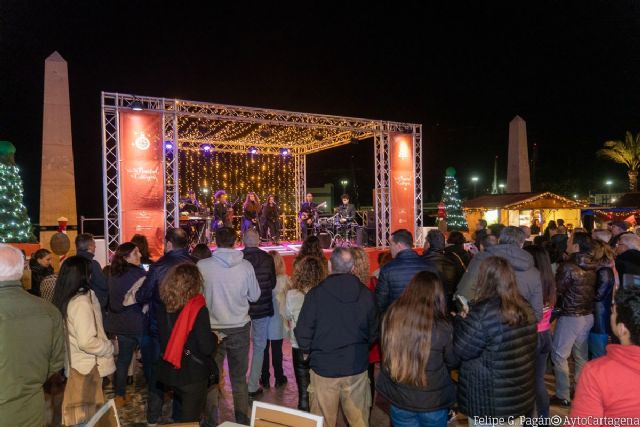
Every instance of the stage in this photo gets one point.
(289, 250)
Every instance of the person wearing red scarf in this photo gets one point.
(186, 340)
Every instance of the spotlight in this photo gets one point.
(206, 147)
(136, 105)
(168, 145)
(284, 152)
(253, 150)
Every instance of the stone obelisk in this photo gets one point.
(57, 183)
(518, 176)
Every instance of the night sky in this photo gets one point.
(571, 70)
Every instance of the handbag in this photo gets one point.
(209, 363)
(83, 394)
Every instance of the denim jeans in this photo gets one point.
(542, 355)
(571, 337)
(150, 348)
(259, 333)
(126, 346)
(403, 418)
(235, 345)
(597, 345)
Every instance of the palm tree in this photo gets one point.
(626, 152)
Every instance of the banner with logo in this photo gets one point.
(402, 182)
(142, 179)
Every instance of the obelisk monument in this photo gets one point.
(57, 183)
(518, 176)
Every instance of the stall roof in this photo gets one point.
(543, 200)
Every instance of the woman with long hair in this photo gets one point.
(125, 315)
(40, 266)
(455, 249)
(311, 247)
(603, 259)
(542, 262)
(143, 246)
(415, 378)
(276, 330)
(250, 211)
(496, 343)
(90, 352)
(308, 272)
(550, 230)
(269, 222)
(186, 339)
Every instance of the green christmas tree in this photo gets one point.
(15, 226)
(452, 202)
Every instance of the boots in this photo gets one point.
(301, 370)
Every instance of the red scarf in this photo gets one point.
(181, 330)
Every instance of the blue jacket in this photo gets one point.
(125, 320)
(396, 275)
(149, 291)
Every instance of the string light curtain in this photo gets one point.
(205, 172)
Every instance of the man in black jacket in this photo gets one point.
(627, 255)
(397, 273)
(176, 252)
(449, 270)
(337, 325)
(261, 310)
(86, 248)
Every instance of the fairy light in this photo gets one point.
(15, 225)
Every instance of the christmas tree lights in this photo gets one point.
(15, 225)
(453, 203)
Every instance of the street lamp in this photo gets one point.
(609, 183)
(344, 183)
(501, 187)
(474, 179)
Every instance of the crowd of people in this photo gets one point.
(463, 327)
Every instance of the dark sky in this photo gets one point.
(570, 69)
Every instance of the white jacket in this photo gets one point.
(293, 306)
(86, 343)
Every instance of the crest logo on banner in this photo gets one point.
(142, 142)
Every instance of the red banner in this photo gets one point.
(402, 182)
(142, 179)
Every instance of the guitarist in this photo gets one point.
(306, 216)
(222, 211)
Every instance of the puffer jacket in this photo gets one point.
(396, 275)
(605, 282)
(497, 371)
(576, 283)
(265, 270)
(149, 292)
(527, 276)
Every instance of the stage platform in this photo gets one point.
(289, 250)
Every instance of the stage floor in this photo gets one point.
(289, 250)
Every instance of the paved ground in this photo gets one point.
(133, 413)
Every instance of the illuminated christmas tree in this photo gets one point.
(15, 226)
(452, 202)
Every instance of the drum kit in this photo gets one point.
(342, 230)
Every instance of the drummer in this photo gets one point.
(346, 211)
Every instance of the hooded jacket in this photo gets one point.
(265, 270)
(229, 285)
(527, 276)
(608, 385)
(337, 325)
(576, 283)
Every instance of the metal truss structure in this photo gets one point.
(226, 128)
